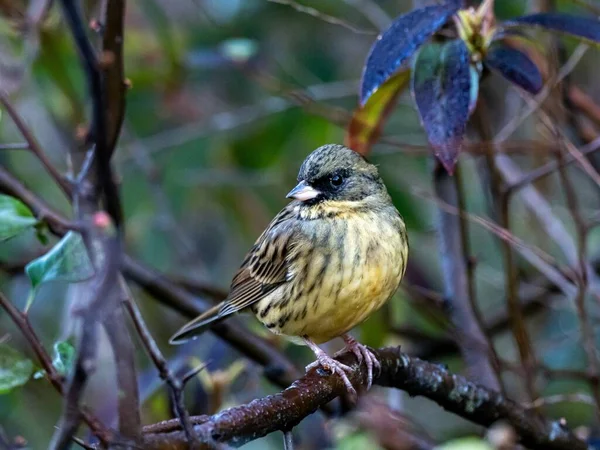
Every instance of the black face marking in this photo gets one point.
(339, 173)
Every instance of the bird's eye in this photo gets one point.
(336, 181)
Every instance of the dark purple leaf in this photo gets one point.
(587, 28)
(399, 42)
(515, 66)
(441, 86)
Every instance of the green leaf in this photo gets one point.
(394, 48)
(15, 369)
(367, 121)
(442, 88)
(68, 261)
(15, 217)
(469, 443)
(357, 441)
(64, 355)
(586, 28)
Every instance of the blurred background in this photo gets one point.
(227, 98)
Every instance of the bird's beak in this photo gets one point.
(303, 191)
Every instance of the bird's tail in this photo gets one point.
(197, 326)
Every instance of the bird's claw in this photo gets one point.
(333, 366)
(362, 353)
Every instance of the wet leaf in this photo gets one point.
(515, 66)
(468, 443)
(587, 28)
(68, 261)
(368, 120)
(394, 48)
(15, 369)
(15, 217)
(64, 355)
(534, 50)
(441, 85)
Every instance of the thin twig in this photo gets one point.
(21, 320)
(587, 332)
(372, 12)
(288, 440)
(175, 385)
(565, 70)
(536, 257)
(15, 146)
(545, 170)
(458, 283)
(324, 17)
(33, 144)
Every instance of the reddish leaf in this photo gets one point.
(441, 86)
(583, 27)
(399, 42)
(367, 121)
(515, 66)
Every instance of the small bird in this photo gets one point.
(330, 258)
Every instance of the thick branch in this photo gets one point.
(476, 348)
(418, 378)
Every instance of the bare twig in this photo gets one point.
(373, 12)
(532, 107)
(288, 440)
(324, 17)
(15, 146)
(587, 332)
(175, 385)
(536, 257)
(33, 145)
(278, 369)
(102, 243)
(560, 398)
(551, 166)
(475, 348)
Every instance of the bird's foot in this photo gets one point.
(362, 354)
(332, 366)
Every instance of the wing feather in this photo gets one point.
(265, 267)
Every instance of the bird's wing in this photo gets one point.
(264, 268)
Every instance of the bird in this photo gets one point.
(329, 259)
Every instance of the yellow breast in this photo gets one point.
(343, 272)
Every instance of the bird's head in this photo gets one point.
(334, 173)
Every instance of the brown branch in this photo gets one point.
(285, 410)
(95, 185)
(113, 71)
(475, 348)
(174, 384)
(21, 320)
(33, 144)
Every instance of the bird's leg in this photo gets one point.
(362, 354)
(330, 365)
